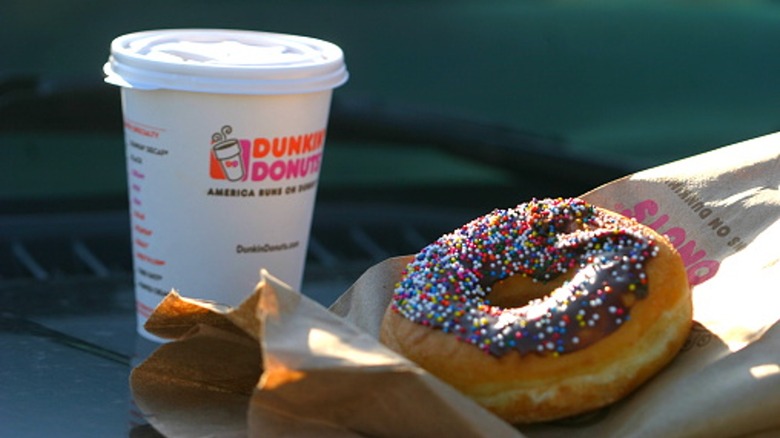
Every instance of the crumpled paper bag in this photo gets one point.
(282, 365)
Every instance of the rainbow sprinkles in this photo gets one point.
(447, 285)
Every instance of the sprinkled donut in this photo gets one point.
(542, 311)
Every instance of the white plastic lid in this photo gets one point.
(224, 61)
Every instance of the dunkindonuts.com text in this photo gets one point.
(266, 247)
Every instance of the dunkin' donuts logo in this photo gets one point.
(263, 158)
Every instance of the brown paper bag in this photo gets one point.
(323, 373)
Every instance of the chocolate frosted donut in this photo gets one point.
(497, 304)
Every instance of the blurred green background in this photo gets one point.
(643, 82)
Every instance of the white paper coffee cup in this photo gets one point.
(224, 134)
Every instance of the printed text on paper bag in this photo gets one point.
(700, 268)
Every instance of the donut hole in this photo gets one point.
(517, 290)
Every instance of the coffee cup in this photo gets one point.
(224, 136)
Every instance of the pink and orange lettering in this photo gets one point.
(275, 158)
(699, 268)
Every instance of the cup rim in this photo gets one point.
(300, 65)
